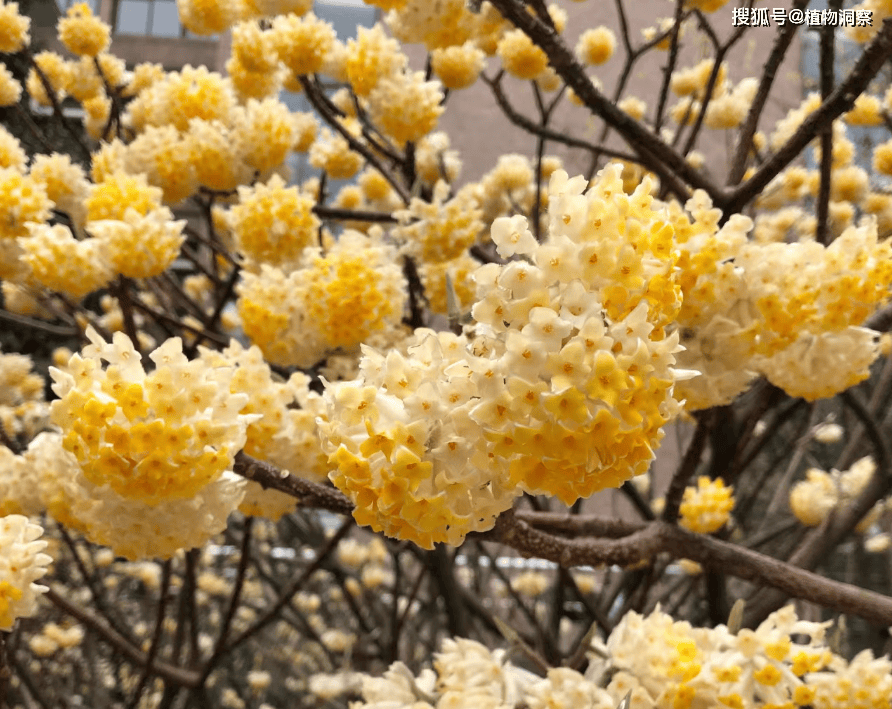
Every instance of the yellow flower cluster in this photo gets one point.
(82, 33)
(460, 271)
(111, 198)
(14, 28)
(140, 246)
(180, 97)
(660, 663)
(442, 229)
(332, 153)
(405, 106)
(564, 391)
(206, 17)
(370, 57)
(458, 66)
(439, 24)
(302, 43)
(22, 199)
(23, 411)
(789, 311)
(596, 45)
(65, 183)
(62, 263)
(11, 152)
(22, 563)
(520, 57)
(404, 445)
(10, 89)
(150, 437)
(706, 508)
(333, 300)
(273, 224)
(284, 432)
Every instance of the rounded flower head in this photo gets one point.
(206, 17)
(458, 67)
(13, 28)
(331, 301)
(273, 224)
(563, 391)
(55, 70)
(82, 33)
(707, 507)
(151, 437)
(266, 132)
(302, 43)
(520, 57)
(62, 263)
(596, 45)
(22, 562)
(111, 198)
(141, 246)
(405, 106)
(370, 57)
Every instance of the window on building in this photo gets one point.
(151, 18)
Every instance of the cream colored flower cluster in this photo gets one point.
(788, 311)
(335, 300)
(22, 562)
(405, 446)
(151, 447)
(815, 497)
(663, 663)
(564, 390)
(284, 432)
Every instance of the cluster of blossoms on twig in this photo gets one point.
(655, 661)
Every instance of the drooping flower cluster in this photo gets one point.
(564, 390)
(22, 563)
